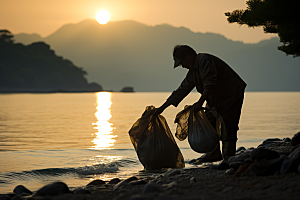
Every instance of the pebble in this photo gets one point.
(139, 182)
(96, 182)
(172, 172)
(122, 197)
(192, 161)
(286, 140)
(230, 171)
(114, 181)
(17, 197)
(53, 189)
(138, 197)
(133, 178)
(172, 184)
(241, 157)
(240, 149)
(150, 188)
(20, 189)
(193, 180)
(125, 182)
(82, 191)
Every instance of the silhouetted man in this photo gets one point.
(220, 86)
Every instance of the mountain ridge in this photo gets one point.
(131, 53)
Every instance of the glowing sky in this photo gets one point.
(46, 16)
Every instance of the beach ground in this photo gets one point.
(194, 183)
(199, 183)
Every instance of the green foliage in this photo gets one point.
(36, 67)
(6, 36)
(275, 16)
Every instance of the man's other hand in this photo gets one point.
(197, 106)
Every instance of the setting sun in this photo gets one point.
(102, 17)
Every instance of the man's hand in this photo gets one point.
(161, 109)
(207, 91)
(158, 111)
(198, 106)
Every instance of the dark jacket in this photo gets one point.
(211, 70)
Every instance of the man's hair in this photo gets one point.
(180, 50)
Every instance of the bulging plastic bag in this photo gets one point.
(201, 134)
(154, 142)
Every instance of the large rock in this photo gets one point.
(263, 153)
(150, 188)
(283, 147)
(296, 139)
(82, 191)
(271, 140)
(235, 165)
(241, 157)
(275, 165)
(258, 168)
(53, 189)
(292, 163)
(5, 197)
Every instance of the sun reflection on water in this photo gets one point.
(104, 138)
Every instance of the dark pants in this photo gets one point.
(231, 119)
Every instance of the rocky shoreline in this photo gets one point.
(270, 171)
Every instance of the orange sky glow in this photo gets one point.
(46, 16)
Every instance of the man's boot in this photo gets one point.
(228, 150)
(210, 157)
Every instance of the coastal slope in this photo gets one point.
(36, 68)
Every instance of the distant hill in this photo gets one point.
(130, 53)
(27, 38)
(36, 68)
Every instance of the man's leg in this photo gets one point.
(231, 119)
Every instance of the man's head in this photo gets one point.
(184, 55)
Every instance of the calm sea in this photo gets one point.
(79, 137)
